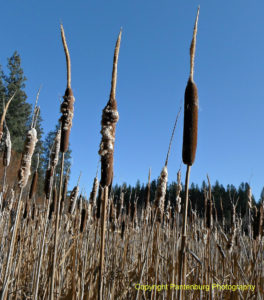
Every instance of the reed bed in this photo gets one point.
(71, 247)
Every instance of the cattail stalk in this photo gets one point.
(110, 117)
(67, 110)
(188, 149)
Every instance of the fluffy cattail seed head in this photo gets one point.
(93, 193)
(73, 199)
(161, 193)
(110, 117)
(29, 147)
(54, 155)
(67, 110)
(7, 149)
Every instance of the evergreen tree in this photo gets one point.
(19, 111)
(2, 88)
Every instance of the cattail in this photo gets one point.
(178, 192)
(93, 193)
(249, 197)
(110, 117)
(7, 148)
(33, 187)
(29, 148)
(53, 204)
(257, 221)
(55, 150)
(34, 182)
(73, 199)
(161, 193)
(190, 127)
(65, 188)
(84, 217)
(47, 183)
(67, 108)
(189, 145)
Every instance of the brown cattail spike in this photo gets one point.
(67, 110)
(190, 127)
(34, 183)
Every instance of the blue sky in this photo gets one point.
(152, 74)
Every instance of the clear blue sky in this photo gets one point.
(152, 74)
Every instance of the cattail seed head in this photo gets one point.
(190, 123)
(47, 183)
(33, 187)
(73, 199)
(67, 110)
(93, 193)
(29, 147)
(190, 127)
(84, 217)
(110, 117)
(7, 149)
(54, 155)
(65, 189)
(161, 193)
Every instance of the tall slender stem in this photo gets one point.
(11, 248)
(182, 258)
(103, 219)
(56, 231)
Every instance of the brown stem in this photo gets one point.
(11, 248)
(182, 258)
(56, 231)
(103, 219)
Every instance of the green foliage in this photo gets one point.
(19, 110)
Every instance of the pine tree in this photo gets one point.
(2, 88)
(19, 110)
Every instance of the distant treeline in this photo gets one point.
(223, 199)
